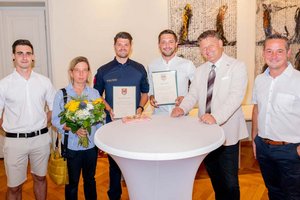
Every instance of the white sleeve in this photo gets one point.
(50, 95)
(2, 98)
(191, 70)
(150, 81)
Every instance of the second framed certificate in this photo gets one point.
(165, 87)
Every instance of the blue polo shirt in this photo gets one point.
(114, 73)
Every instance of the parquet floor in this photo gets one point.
(251, 183)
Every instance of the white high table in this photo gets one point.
(159, 158)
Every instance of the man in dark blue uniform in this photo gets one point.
(121, 71)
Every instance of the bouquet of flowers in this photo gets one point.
(82, 113)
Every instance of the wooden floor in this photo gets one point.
(251, 183)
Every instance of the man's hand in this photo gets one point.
(109, 110)
(177, 112)
(254, 148)
(298, 150)
(49, 115)
(139, 111)
(111, 114)
(208, 119)
(178, 100)
(153, 101)
(1, 121)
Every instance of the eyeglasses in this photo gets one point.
(26, 54)
(80, 71)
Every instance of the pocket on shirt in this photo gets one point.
(284, 102)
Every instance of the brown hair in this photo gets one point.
(22, 42)
(278, 36)
(123, 35)
(167, 31)
(209, 33)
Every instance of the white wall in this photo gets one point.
(246, 40)
(88, 27)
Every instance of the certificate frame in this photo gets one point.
(124, 101)
(165, 88)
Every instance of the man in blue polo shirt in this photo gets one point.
(121, 71)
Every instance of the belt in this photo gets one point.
(27, 135)
(276, 143)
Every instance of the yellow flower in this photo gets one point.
(68, 104)
(96, 101)
(72, 105)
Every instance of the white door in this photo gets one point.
(23, 23)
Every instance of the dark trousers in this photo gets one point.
(115, 189)
(86, 162)
(280, 168)
(222, 167)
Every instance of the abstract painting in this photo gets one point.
(282, 17)
(189, 18)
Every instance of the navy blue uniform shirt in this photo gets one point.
(114, 73)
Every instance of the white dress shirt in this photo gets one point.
(278, 101)
(185, 71)
(23, 102)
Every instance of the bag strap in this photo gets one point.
(66, 133)
(65, 95)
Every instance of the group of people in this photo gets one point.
(218, 87)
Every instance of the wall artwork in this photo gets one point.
(189, 18)
(283, 17)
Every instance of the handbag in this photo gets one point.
(57, 167)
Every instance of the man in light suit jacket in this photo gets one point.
(229, 88)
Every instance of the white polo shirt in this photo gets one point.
(185, 71)
(278, 101)
(22, 102)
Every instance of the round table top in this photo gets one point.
(161, 138)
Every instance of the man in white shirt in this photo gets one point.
(23, 97)
(219, 103)
(276, 119)
(167, 43)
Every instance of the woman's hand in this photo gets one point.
(66, 128)
(82, 132)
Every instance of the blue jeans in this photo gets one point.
(115, 189)
(86, 161)
(280, 168)
(222, 167)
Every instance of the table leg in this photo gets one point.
(159, 180)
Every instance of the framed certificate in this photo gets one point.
(124, 101)
(165, 87)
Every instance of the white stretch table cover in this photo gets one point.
(159, 158)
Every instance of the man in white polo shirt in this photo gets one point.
(276, 119)
(23, 97)
(185, 69)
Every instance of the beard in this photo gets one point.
(123, 54)
(168, 53)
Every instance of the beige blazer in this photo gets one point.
(228, 93)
